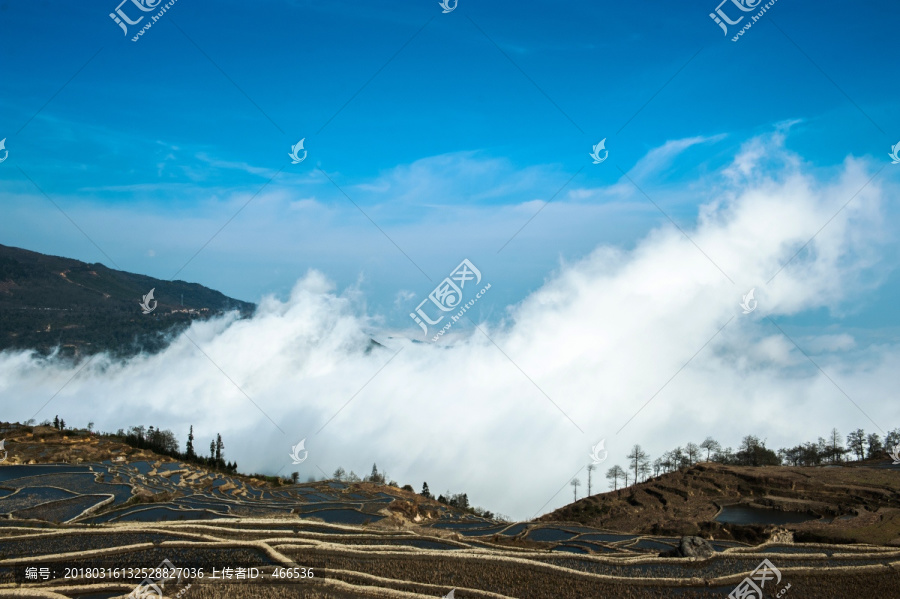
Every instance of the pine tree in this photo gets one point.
(425, 492)
(219, 447)
(62, 424)
(56, 422)
(189, 450)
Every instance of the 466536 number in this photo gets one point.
(292, 573)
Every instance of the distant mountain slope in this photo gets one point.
(49, 301)
(863, 500)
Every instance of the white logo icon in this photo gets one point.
(295, 157)
(6, 152)
(3, 449)
(894, 151)
(146, 303)
(749, 304)
(596, 153)
(295, 452)
(895, 453)
(598, 453)
(445, 4)
(450, 595)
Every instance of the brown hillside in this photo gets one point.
(854, 503)
(28, 445)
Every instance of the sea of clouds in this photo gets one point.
(646, 344)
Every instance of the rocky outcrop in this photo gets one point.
(691, 547)
(782, 535)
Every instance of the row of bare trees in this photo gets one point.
(352, 477)
(751, 452)
(832, 450)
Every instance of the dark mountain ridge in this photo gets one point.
(49, 302)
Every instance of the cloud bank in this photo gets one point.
(646, 344)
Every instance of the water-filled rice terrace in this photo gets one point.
(362, 540)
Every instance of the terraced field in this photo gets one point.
(849, 503)
(334, 540)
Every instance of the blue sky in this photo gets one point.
(158, 129)
(436, 137)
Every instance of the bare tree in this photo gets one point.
(693, 453)
(638, 457)
(575, 482)
(892, 438)
(836, 446)
(590, 469)
(667, 461)
(875, 447)
(856, 442)
(725, 456)
(657, 466)
(644, 470)
(711, 446)
(614, 474)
